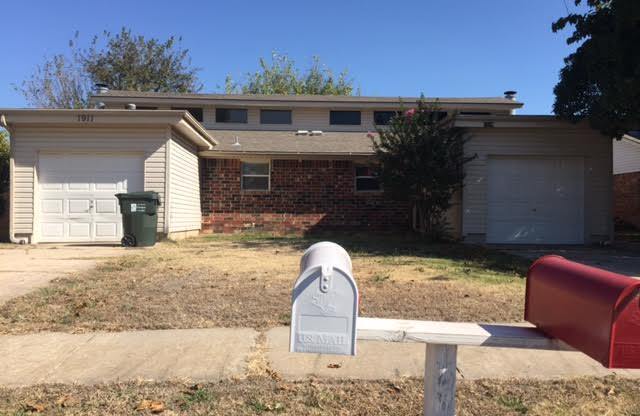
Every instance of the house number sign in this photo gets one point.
(85, 118)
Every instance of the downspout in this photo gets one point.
(167, 184)
(12, 236)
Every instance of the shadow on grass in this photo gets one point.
(393, 249)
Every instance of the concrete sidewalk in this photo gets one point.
(219, 353)
(194, 354)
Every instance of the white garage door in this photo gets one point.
(77, 202)
(536, 201)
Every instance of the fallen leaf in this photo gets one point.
(152, 405)
(334, 365)
(34, 407)
(395, 387)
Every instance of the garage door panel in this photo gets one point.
(52, 206)
(109, 230)
(78, 186)
(52, 230)
(79, 230)
(51, 186)
(106, 206)
(79, 206)
(77, 195)
(106, 186)
(535, 200)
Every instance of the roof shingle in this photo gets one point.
(288, 142)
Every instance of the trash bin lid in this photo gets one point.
(147, 196)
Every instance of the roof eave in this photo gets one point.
(282, 101)
(180, 120)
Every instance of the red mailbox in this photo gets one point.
(593, 310)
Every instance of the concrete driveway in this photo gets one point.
(25, 268)
(624, 261)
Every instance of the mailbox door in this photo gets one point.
(625, 334)
(324, 312)
(586, 307)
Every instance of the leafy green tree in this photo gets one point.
(4, 166)
(281, 76)
(601, 79)
(421, 155)
(124, 61)
(132, 62)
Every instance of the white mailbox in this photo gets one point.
(325, 302)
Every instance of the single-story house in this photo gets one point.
(626, 179)
(224, 163)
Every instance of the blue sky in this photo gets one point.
(447, 48)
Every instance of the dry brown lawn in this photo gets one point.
(263, 395)
(246, 281)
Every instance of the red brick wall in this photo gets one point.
(626, 189)
(308, 195)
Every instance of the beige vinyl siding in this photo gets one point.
(28, 142)
(184, 186)
(594, 148)
(301, 119)
(626, 156)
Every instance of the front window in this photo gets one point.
(231, 115)
(383, 118)
(275, 116)
(367, 178)
(255, 176)
(350, 118)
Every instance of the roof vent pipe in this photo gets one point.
(130, 106)
(101, 88)
(510, 95)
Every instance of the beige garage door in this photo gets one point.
(535, 201)
(77, 200)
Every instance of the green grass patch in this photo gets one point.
(513, 403)
(259, 406)
(456, 260)
(196, 395)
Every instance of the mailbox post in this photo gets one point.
(324, 303)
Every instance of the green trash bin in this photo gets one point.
(139, 218)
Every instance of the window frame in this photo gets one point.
(245, 110)
(255, 162)
(395, 114)
(278, 110)
(332, 112)
(356, 177)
